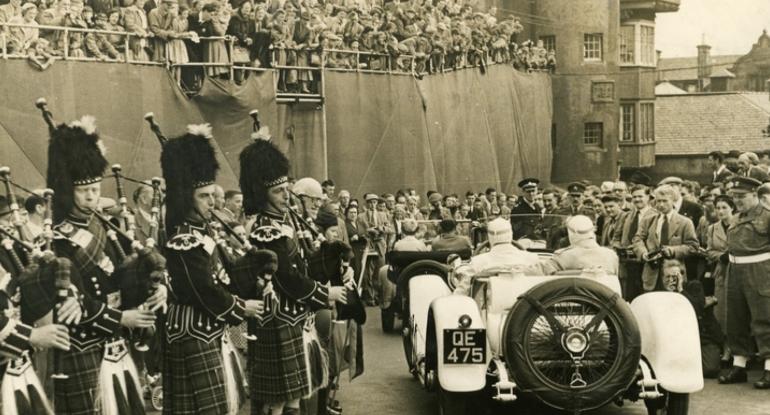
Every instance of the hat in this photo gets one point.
(376, 10)
(580, 228)
(263, 166)
(371, 196)
(27, 6)
(671, 180)
(610, 198)
(499, 232)
(98, 16)
(607, 186)
(741, 184)
(576, 187)
(435, 197)
(638, 177)
(308, 186)
(75, 158)
(188, 162)
(326, 218)
(528, 183)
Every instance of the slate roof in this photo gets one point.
(667, 88)
(683, 69)
(700, 123)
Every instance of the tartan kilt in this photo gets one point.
(77, 395)
(277, 368)
(193, 378)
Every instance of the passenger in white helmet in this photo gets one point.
(311, 196)
(583, 252)
(502, 254)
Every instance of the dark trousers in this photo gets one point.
(632, 283)
(748, 308)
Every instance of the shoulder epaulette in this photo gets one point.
(266, 234)
(184, 242)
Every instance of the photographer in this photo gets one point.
(666, 235)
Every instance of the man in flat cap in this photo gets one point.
(748, 291)
(437, 211)
(525, 217)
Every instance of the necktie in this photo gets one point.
(664, 231)
(634, 226)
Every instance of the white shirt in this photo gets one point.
(410, 243)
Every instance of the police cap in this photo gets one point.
(741, 184)
(576, 188)
(529, 183)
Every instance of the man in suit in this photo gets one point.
(377, 225)
(747, 166)
(717, 162)
(630, 267)
(612, 220)
(525, 217)
(690, 210)
(668, 232)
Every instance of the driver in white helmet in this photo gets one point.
(502, 254)
(311, 197)
(583, 252)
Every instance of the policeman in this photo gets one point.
(525, 217)
(501, 254)
(748, 302)
(583, 252)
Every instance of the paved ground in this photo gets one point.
(386, 388)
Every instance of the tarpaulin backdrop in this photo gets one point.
(451, 132)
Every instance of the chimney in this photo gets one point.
(658, 54)
(704, 64)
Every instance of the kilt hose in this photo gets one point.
(277, 368)
(77, 395)
(193, 378)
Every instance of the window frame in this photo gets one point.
(624, 121)
(546, 39)
(599, 138)
(589, 40)
(643, 50)
(646, 126)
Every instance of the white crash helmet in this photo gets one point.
(308, 186)
(580, 228)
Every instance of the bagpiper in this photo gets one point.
(203, 301)
(100, 376)
(285, 363)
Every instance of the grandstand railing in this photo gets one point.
(285, 61)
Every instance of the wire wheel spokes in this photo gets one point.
(553, 363)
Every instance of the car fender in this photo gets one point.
(423, 289)
(387, 289)
(670, 340)
(445, 313)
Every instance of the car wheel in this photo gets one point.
(388, 320)
(670, 404)
(157, 398)
(573, 343)
(406, 340)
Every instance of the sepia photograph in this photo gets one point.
(384, 207)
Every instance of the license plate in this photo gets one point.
(465, 346)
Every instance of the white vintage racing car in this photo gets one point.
(569, 340)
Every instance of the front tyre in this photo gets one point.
(670, 404)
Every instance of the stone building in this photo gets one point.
(603, 87)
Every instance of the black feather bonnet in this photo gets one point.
(75, 158)
(188, 162)
(263, 166)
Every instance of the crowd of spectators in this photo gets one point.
(417, 37)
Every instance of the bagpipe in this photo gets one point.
(43, 280)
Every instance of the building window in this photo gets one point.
(593, 133)
(647, 122)
(647, 44)
(627, 122)
(592, 47)
(549, 42)
(627, 44)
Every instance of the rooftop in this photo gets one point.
(667, 88)
(683, 69)
(701, 123)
